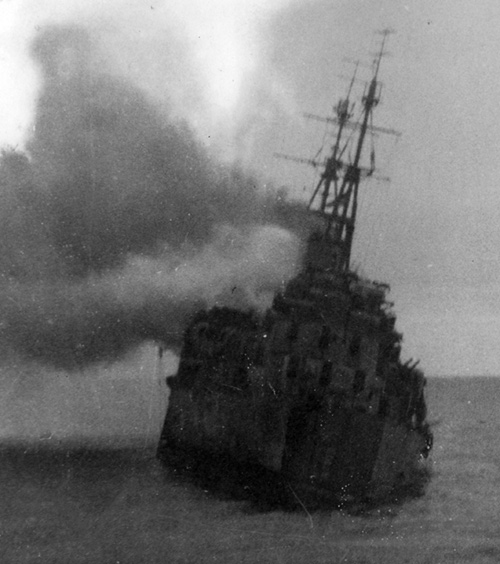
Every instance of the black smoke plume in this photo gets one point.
(116, 225)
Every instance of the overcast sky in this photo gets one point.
(241, 73)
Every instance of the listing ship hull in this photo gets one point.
(323, 404)
(363, 460)
(313, 391)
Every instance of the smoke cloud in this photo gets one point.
(116, 224)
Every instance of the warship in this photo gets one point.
(314, 391)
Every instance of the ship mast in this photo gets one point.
(338, 186)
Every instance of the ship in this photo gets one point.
(313, 392)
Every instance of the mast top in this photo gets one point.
(384, 32)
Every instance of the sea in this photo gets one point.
(112, 504)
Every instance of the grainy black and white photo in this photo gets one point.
(249, 281)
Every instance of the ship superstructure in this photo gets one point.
(313, 391)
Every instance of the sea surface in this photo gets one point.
(75, 505)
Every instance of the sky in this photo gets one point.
(240, 73)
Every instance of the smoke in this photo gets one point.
(205, 57)
(116, 226)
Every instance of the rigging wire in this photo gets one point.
(380, 212)
(366, 203)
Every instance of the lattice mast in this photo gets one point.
(338, 186)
